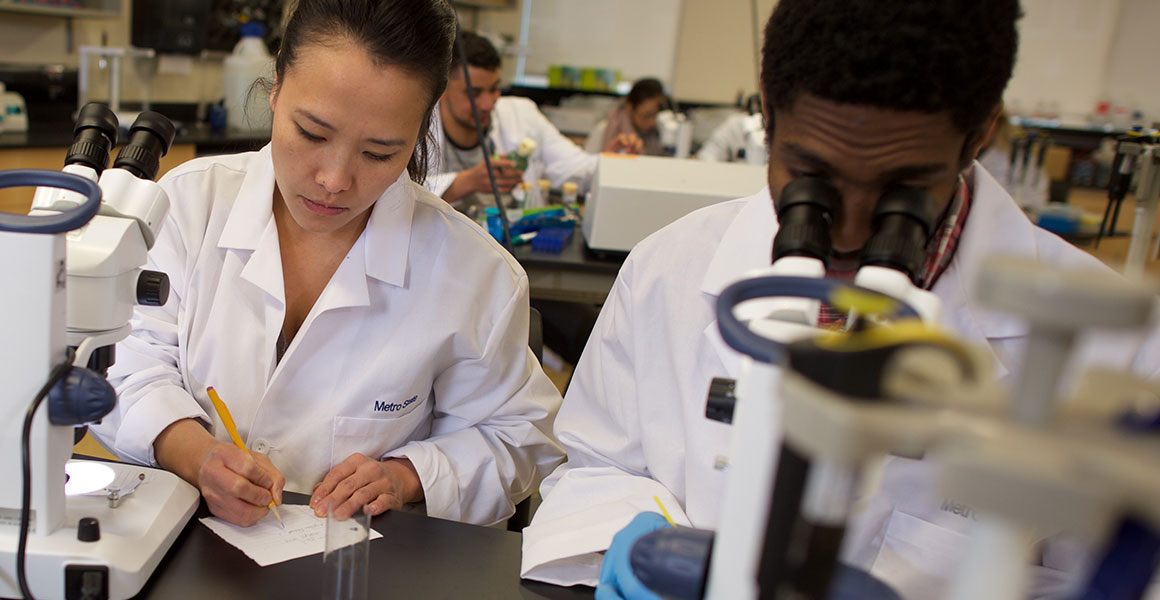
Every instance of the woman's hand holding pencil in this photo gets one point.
(238, 487)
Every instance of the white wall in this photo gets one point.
(715, 58)
(1132, 77)
(1064, 46)
(1072, 53)
(636, 36)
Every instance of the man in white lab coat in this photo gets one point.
(741, 138)
(461, 177)
(865, 115)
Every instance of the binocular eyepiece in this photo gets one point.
(805, 213)
(901, 224)
(95, 134)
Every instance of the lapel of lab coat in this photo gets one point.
(746, 246)
(995, 226)
(381, 252)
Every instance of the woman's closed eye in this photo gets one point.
(378, 157)
(309, 136)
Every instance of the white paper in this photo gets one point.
(267, 543)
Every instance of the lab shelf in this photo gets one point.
(87, 9)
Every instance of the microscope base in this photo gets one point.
(133, 537)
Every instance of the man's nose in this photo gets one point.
(852, 223)
(487, 101)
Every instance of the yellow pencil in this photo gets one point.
(224, 413)
(663, 511)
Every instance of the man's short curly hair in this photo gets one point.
(909, 55)
(480, 52)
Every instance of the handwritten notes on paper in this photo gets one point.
(267, 543)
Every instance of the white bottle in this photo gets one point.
(248, 106)
(684, 137)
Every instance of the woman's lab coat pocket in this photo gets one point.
(377, 436)
(917, 557)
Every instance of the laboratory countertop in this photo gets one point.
(417, 557)
(575, 274)
(60, 135)
(575, 255)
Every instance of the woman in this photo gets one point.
(635, 117)
(370, 342)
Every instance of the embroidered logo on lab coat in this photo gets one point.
(394, 407)
(956, 508)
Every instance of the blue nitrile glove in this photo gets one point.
(617, 581)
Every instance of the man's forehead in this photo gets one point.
(478, 75)
(810, 110)
(821, 127)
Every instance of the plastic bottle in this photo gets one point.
(13, 113)
(570, 193)
(247, 106)
(521, 154)
(533, 195)
(545, 190)
(520, 195)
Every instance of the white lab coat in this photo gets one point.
(556, 158)
(633, 421)
(416, 348)
(1031, 189)
(737, 133)
(594, 144)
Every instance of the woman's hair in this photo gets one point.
(414, 35)
(645, 89)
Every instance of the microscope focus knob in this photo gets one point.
(152, 288)
(722, 399)
(88, 529)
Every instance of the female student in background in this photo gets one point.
(370, 342)
(635, 117)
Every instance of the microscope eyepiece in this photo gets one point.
(805, 212)
(94, 135)
(149, 139)
(902, 222)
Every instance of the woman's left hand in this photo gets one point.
(360, 480)
(625, 143)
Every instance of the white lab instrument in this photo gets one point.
(112, 59)
(633, 196)
(1140, 159)
(111, 541)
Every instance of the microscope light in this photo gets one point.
(86, 477)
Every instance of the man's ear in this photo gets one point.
(983, 135)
